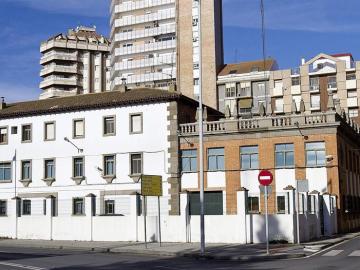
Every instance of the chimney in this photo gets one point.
(303, 61)
(2, 104)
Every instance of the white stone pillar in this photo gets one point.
(291, 210)
(185, 217)
(134, 211)
(327, 215)
(49, 214)
(242, 197)
(335, 220)
(89, 213)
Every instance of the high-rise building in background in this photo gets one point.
(155, 43)
(76, 63)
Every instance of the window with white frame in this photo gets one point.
(3, 208)
(26, 133)
(253, 205)
(216, 160)
(78, 167)
(353, 112)
(350, 76)
(136, 163)
(352, 93)
(26, 207)
(109, 207)
(109, 125)
(3, 135)
(49, 166)
(230, 90)
(315, 101)
(284, 155)
(245, 89)
(189, 160)
(278, 84)
(136, 123)
(315, 154)
(295, 81)
(26, 170)
(78, 128)
(279, 105)
(249, 156)
(5, 171)
(49, 131)
(281, 204)
(314, 83)
(109, 165)
(78, 206)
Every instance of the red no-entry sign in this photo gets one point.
(265, 178)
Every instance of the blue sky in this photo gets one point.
(295, 29)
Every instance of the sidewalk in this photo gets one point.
(213, 251)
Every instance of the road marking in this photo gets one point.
(333, 252)
(356, 253)
(21, 266)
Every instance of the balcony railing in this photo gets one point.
(152, 17)
(129, 6)
(58, 68)
(155, 31)
(155, 46)
(57, 80)
(314, 88)
(168, 60)
(148, 77)
(58, 56)
(261, 123)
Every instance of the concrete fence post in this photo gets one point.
(90, 213)
(49, 214)
(242, 197)
(134, 213)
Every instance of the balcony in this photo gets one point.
(148, 77)
(278, 91)
(58, 56)
(152, 17)
(59, 69)
(295, 90)
(149, 47)
(57, 80)
(129, 6)
(163, 29)
(168, 60)
(351, 84)
(314, 88)
(352, 102)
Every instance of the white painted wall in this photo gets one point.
(317, 179)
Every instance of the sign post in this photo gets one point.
(151, 185)
(265, 179)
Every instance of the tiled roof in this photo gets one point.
(247, 67)
(89, 101)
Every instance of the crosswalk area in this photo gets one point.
(336, 252)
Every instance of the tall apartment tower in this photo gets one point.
(76, 63)
(156, 43)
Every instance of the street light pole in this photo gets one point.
(201, 143)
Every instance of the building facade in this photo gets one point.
(156, 44)
(309, 153)
(305, 88)
(76, 63)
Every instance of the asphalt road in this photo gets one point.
(344, 256)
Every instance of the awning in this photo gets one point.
(245, 103)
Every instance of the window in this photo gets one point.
(315, 154)
(353, 113)
(109, 165)
(281, 204)
(314, 84)
(78, 128)
(216, 159)
(350, 76)
(14, 130)
(49, 165)
(109, 125)
(315, 101)
(245, 89)
(196, 81)
(78, 206)
(295, 81)
(255, 69)
(351, 93)
(26, 170)
(284, 155)
(279, 105)
(26, 133)
(213, 203)
(189, 160)
(136, 164)
(253, 205)
(332, 82)
(49, 131)
(230, 90)
(136, 123)
(3, 207)
(5, 171)
(3, 135)
(278, 84)
(26, 207)
(249, 156)
(78, 167)
(109, 207)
